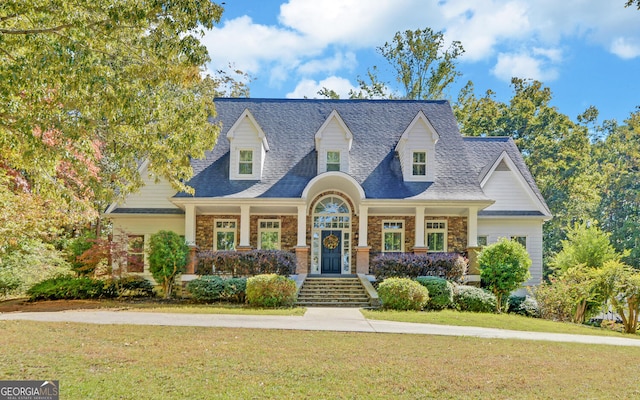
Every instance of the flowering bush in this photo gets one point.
(246, 263)
(450, 266)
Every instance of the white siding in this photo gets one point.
(496, 228)
(419, 138)
(151, 195)
(245, 137)
(333, 138)
(507, 190)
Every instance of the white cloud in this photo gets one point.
(310, 88)
(523, 65)
(329, 65)
(625, 48)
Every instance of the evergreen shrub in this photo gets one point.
(212, 288)
(271, 290)
(474, 299)
(402, 294)
(440, 292)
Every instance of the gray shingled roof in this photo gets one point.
(377, 125)
(484, 152)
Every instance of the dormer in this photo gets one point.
(333, 143)
(248, 148)
(417, 150)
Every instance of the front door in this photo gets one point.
(331, 252)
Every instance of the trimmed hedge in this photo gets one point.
(69, 287)
(246, 263)
(271, 290)
(403, 294)
(440, 292)
(474, 299)
(210, 288)
(450, 266)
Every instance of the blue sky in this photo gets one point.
(586, 51)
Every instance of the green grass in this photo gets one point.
(217, 309)
(144, 362)
(501, 321)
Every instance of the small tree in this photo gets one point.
(621, 285)
(168, 255)
(504, 266)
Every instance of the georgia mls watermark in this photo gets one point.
(29, 390)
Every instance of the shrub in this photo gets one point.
(474, 299)
(212, 288)
(128, 286)
(66, 287)
(248, 263)
(504, 266)
(440, 292)
(523, 305)
(451, 266)
(403, 294)
(271, 290)
(168, 255)
(76, 248)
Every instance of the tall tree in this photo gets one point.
(618, 158)
(89, 89)
(556, 150)
(424, 67)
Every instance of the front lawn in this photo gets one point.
(153, 362)
(501, 321)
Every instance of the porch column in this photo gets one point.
(245, 227)
(420, 245)
(190, 236)
(473, 273)
(362, 251)
(302, 250)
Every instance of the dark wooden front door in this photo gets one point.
(331, 252)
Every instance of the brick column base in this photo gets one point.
(420, 250)
(193, 260)
(302, 259)
(243, 248)
(362, 260)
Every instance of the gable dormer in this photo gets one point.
(333, 143)
(248, 148)
(417, 150)
(504, 183)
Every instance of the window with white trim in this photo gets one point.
(419, 164)
(436, 235)
(224, 234)
(135, 253)
(269, 234)
(245, 162)
(392, 236)
(482, 240)
(333, 161)
(520, 239)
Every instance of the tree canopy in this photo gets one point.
(90, 90)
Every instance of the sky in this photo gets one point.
(586, 51)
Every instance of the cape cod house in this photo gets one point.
(336, 181)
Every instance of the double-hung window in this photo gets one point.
(135, 253)
(419, 164)
(436, 235)
(392, 236)
(333, 161)
(520, 239)
(224, 233)
(269, 234)
(245, 163)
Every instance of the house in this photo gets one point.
(336, 181)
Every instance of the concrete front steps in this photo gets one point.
(334, 292)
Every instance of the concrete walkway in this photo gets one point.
(315, 319)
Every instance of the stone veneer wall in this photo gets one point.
(204, 229)
(288, 230)
(456, 232)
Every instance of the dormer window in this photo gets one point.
(333, 161)
(419, 163)
(245, 164)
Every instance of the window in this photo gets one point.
(482, 241)
(269, 234)
(333, 161)
(436, 233)
(393, 236)
(419, 163)
(224, 233)
(135, 253)
(245, 165)
(520, 239)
